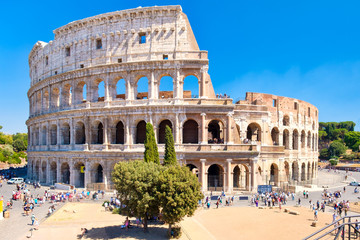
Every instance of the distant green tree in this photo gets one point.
(179, 193)
(170, 155)
(2, 157)
(349, 125)
(151, 153)
(7, 151)
(337, 148)
(20, 142)
(137, 185)
(352, 140)
(322, 135)
(324, 154)
(5, 139)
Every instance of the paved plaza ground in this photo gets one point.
(240, 221)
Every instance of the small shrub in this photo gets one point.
(175, 232)
(116, 211)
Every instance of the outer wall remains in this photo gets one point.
(78, 132)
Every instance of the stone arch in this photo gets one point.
(98, 133)
(308, 171)
(303, 176)
(286, 120)
(43, 170)
(140, 132)
(274, 174)
(312, 170)
(119, 133)
(98, 173)
(313, 142)
(241, 177)
(191, 86)
(166, 87)
(286, 139)
(66, 95)
(53, 134)
(65, 173)
(215, 131)
(162, 127)
(215, 177)
(55, 97)
(44, 135)
(141, 87)
(295, 143)
(287, 171)
(80, 136)
(120, 89)
(46, 103)
(37, 171)
(253, 132)
(79, 174)
(309, 139)
(275, 135)
(53, 172)
(65, 134)
(303, 135)
(38, 102)
(190, 131)
(80, 92)
(295, 171)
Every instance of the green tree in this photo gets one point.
(337, 148)
(324, 154)
(352, 140)
(5, 139)
(137, 183)
(7, 151)
(151, 153)
(322, 135)
(179, 193)
(349, 125)
(170, 155)
(2, 157)
(20, 142)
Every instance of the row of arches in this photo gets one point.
(118, 89)
(311, 138)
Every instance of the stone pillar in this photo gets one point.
(58, 137)
(106, 133)
(48, 172)
(177, 129)
(229, 130)
(128, 90)
(203, 129)
(40, 137)
(107, 97)
(281, 138)
(229, 176)
(72, 133)
(176, 84)
(253, 174)
(151, 88)
(40, 172)
(203, 176)
(58, 171)
(290, 140)
(42, 102)
(48, 133)
(87, 133)
(128, 140)
(87, 174)
(72, 174)
(203, 76)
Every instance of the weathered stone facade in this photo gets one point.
(76, 135)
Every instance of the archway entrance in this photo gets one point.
(241, 178)
(274, 174)
(275, 136)
(98, 174)
(43, 169)
(162, 127)
(253, 132)
(79, 175)
(65, 173)
(215, 178)
(215, 132)
(119, 133)
(141, 132)
(295, 171)
(53, 173)
(190, 132)
(303, 176)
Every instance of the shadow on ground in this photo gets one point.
(116, 232)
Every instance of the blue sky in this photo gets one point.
(306, 49)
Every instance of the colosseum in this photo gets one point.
(88, 110)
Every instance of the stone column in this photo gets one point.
(106, 133)
(72, 174)
(290, 140)
(253, 174)
(176, 84)
(40, 172)
(281, 138)
(107, 97)
(203, 129)
(87, 174)
(48, 172)
(151, 86)
(229, 130)
(42, 102)
(177, 130)
(203, 77)
(58, 171)
(40, 137)
(203, 176)
(128, 90)
(229, 176)
(58, 137)
(48, 135)
(87, 133)
(128, 140)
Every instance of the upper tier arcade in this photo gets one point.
(134, 35)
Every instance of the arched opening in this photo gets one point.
(193, 169)
(295, 171)
(141, 132)
(286, 136)
(215, 177)
(38, 102)
(121, 89)
(79, 175)
(308, 172)
(312, 170)
(295, 143)
(53, 134)
(80, 133)
(313, 142)
(119, 133)
(37, 171)
(309, 140)
(191, 87)
(65, 173)
(302, 139)
(43, 169)
(100, 134)
(53, 173)
(166, 87)
(259, 176)
(215, 132)
(253, 132)
(190, 132)
(275, 136)
(303, 176)
(55, 96)
(162, 127)
(287, 171)
(66, 95)
(141, 89)
(98, 174)
(65, 134)
(286, 120)
(101, 91)
(44, 135)
(80, 92)
(274, 174)
(240, 178)
(46, 100)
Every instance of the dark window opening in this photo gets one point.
(165, 57)
(274, 102)
(142, 38)
(308, 112)
(98, 44)
(46, 60)
(295, 105)
(119, 60)
(81, 65)
(67, 51)
(55, 72)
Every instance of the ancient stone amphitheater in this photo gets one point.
(88, 112)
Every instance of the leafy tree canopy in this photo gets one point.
(337, 148)
(352, 140)
(151, 153)
(170, 155)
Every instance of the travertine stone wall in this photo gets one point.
(77, 135)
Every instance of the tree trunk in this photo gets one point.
(146, 223)
(169, 230)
